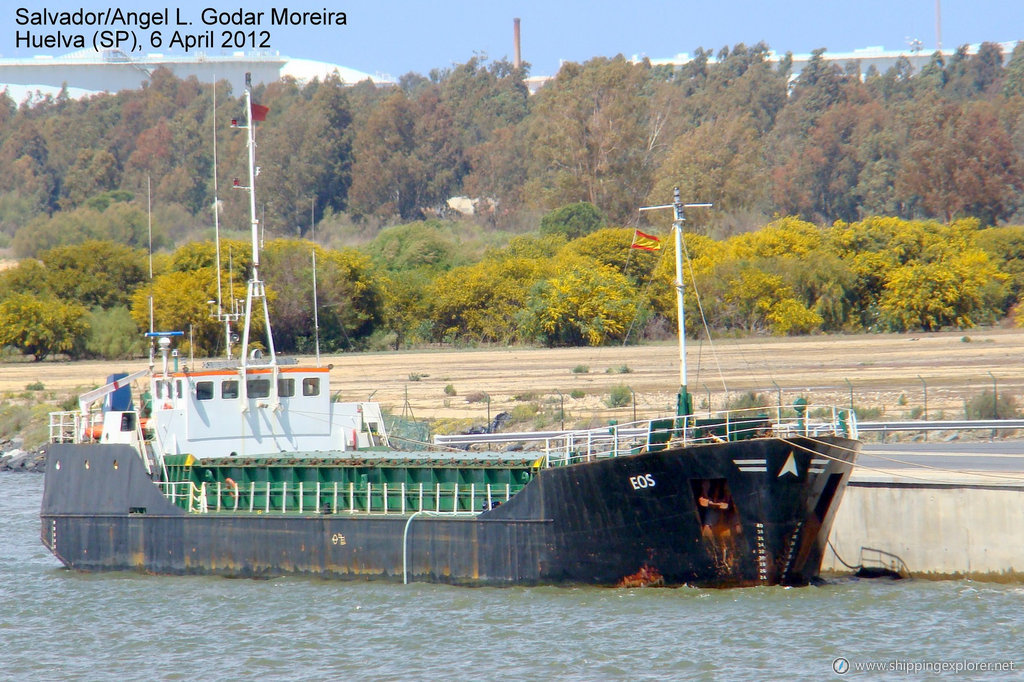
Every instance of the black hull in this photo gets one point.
(622, 521)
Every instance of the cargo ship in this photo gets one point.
(246, 467)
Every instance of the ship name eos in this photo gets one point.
(642, 481)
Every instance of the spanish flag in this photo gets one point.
(645, 241)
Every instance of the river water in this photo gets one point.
(57, 624)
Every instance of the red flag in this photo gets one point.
(645, 241)
(259, 112)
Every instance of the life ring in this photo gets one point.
(232, 487)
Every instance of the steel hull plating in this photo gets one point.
(638, 519)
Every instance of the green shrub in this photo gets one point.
(113, 335)
(748, 400)
(521, 413)
(620, 396)
(449, 390)
(577, 394)
(988, 406)
(581, 369)
(572, 220)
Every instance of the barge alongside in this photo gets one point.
(248, 468)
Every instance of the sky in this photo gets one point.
(395, 37)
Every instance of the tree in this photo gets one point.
(720, 161)
(484, 302)
(611, 246)
(113, 335)
(428, 244)
(740, 296)
(407, 157)
(497, 170)
(41, 327)
(954, 291)
(348, 297)
(483, 99)
(572, 220)
(306, 158)
(586, 303)
(94, 171)
(1013, 77)
(27, 277)
(95, 273)
(820, 182)
(181, 303)
(589, 138)
(960, 162)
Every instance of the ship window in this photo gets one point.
(311, 386)
(163, 390)
(204, 390)
(179, 387)
(286, 388)
(229, 390)
(257, 388)
(127, 422)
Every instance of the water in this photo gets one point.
(61, 625)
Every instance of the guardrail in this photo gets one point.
(945, 425)
(567, 447)
(554, 440)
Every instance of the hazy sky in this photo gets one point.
(397, 36)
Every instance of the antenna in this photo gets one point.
(316, 311)
(222, 316)
(149, 218)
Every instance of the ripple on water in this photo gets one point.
(59, 624)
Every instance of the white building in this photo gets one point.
(864, 58)
(87, 71)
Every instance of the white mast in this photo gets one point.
(256, 289)
(684, 405)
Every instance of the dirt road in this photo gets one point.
(893, 372)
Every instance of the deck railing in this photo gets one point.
(283, 497)
(562, 448)
(70, 426)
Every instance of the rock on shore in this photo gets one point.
(23, 460)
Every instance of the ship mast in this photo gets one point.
(257, 288)
(684, 401)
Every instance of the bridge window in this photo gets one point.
(163, 390)
(229, 390)
(257, 388)
(286, 388)
(204, 390)
(179, 387)
(311, 386)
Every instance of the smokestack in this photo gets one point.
(517, 61)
